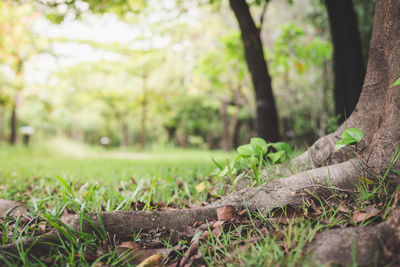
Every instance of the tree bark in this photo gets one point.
(349, 69)
(124, 139)
(13, 125)
(267, 116)
(143, 134)
(1, 124)
(223, 112)
(382, 70)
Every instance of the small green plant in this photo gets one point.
(351, 136)
(148, 203)
(255, 155)
(396, 83)
(258, 151)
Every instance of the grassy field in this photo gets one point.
(67, 178)
(31, 172)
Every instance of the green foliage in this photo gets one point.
(351, 136)
(396, 83)
(255, 156)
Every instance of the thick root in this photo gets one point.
(368, 246)
(289, 191)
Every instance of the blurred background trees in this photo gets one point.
(151, 73)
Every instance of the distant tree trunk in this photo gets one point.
(233, 128)
(1, 124)
(143, 136)
(13, 125)
(124, 134)
(349, 69)
(223, 112)
(267, 117)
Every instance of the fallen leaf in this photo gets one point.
(86, 256)
(225, 213)
(190, 252)
(217, 231)
(343, 209)
(200, 187)
(217, 224)
(154, 260)
(190, 231)
(42, 227)
(130, 245)
(205, 235)
(360, 216)
(135, 257)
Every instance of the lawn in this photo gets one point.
(38, 171)
(63, 178)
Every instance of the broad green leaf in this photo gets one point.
(253, 160)
(259, 146)
(354, 134)
(396, 171)
(344, 142)
(282, 146)
(339, 146)
(245, 150)
(277, 157)
(396, 83)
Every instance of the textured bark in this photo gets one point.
(143, 119)
(372, 246)
(382, 70)
(124, 134)
(267, 116)
(13, 125)
(348, 61)
(223, 112)
(1, 124)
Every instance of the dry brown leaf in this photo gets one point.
(217, 231)
(225, 213)
(190, 252)
(217, 224)
(86, 256)
(343, 209)
(190, 231)
(130, 245)
(42, 227)
(205, 235)
(135, 257)
(154, 260)
(360, 216)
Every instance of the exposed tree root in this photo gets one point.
(275, 194)
(366, 246)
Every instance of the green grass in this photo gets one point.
(22, 167)
(61, 177)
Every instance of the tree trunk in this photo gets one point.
(348, 61)
(223, 112)
(124, 134)
(143, 135)
(267, 116)
(1, 124)
(13, 125)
